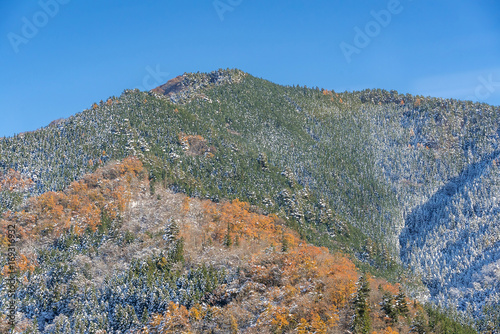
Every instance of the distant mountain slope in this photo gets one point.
(453, 238)
(391, 177)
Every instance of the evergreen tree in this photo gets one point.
(402, 304)
(227, 238)
(389, 308)
(177, 252)
(145, 316)
(361, 322)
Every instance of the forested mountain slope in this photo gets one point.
(168, 263)
(391, 178)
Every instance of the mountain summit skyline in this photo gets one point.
(52, 52)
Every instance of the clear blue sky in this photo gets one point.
(56, 62)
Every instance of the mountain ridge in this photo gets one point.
(345, 169)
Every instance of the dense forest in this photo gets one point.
(107, 256)
(404, 186)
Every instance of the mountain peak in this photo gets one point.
(183, 87)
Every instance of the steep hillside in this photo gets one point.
(168, 263)
(391, 179)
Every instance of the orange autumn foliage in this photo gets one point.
(80, 206)
(174, 320)
(277, 316)
(315, 325)
(392, 288)
(287, 274)
(242, 222)
(185, 139)
(21, 264)
(14, 181)
(322, 282)
(185, 205)
(336, 273)
(388, 330)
